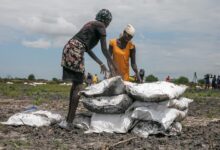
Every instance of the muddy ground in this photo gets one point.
(201, 130)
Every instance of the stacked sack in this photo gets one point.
(108, 101)
(158, 107)
(148, 108)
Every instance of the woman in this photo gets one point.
(122, 49)
(73, 58)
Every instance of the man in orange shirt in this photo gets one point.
(122, 49)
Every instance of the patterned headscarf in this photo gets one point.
(104, 16)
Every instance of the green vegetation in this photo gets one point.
(181, 80)
(39, 93)
(198, 94)
(151, 78)
(31, 77)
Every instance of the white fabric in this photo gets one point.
(156, 91)
(130, 29)
(118, 123)
(36, 118)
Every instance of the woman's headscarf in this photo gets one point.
(130, 29)
(104, 16)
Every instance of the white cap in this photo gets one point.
(130, 29)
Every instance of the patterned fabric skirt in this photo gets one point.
(73, 61)
(73, 56)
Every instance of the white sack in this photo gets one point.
(108, 87)
(159, 113)
(156, 91)
(181, 115)
(82, 121)
(175, 128)
(108, 105)
(36, 118)
(146, 128)
(118, 123)
(181, 104)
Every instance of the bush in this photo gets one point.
(31, 77)
(181, 80)
(151, 78)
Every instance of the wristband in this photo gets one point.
(102, 65)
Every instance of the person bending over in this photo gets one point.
(73, 58)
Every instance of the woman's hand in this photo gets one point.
(103, 69)
(138, 78)
(113, 71)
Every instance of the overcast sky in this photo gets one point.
(173, 37)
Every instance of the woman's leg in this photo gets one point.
(73, 101)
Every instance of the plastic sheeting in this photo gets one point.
(108, 105)
(36, 118)
(108, 87)
(157, 91)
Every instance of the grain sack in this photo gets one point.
(108, 87)
(155, 92)
(107, 105)
(111, 123)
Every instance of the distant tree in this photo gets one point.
(181, 80)
(151, 78)
(55, 80)
(201, 81)
(31, 77)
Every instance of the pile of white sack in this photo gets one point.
(36, 118)
(144, 109)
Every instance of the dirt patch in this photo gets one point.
(200, 131)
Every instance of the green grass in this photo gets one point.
(38, 93)
(196, 94)
(17, 144)
(41, 93)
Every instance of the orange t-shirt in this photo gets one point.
(121, 57)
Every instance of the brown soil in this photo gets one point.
(201, 130)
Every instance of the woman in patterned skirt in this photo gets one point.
(73, 58)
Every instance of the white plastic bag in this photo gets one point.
(181, 104)
(108, 87)
(118, 123)
(159, 113)
(108, 105)
(36, 118)
(155, 92)
(146, 128)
